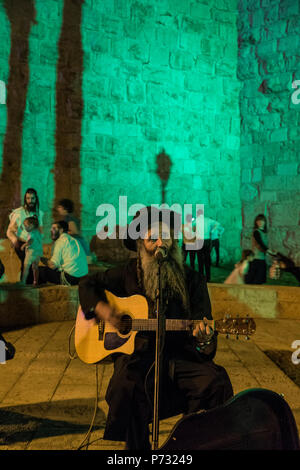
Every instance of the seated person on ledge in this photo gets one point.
(68, 263)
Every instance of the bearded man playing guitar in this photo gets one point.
(190, 380)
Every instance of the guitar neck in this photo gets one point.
(171, 324)
(239, 326)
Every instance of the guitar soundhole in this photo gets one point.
(125, 325)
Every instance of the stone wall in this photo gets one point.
(105, 86)
(268, 63)
(162, 75)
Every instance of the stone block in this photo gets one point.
(288, 294)
(246, 176)
(18, 307)
(288, 169)
(256, 175)
(159, 55)
(181, 60)
(265, 49)
(140, 51)
(278, 135)
(195, 82)
(200, 11)
(189, 167)
(204, 65)
(293, 182)
(135, 92)
(288, 8)
(268, 196)
(283, 215)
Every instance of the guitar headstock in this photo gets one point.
(237, 326)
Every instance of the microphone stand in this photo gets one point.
(160, 334)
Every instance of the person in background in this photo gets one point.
(189, 238)
(65, 209)
(215, 241)
(241, 268)
(257, 273)
(203, 254)
(33, 249)
(16, 231)
(68, 263)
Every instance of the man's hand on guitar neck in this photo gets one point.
(204, 335)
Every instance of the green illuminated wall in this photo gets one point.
(162, 75)
(156, 75)
(268, 63)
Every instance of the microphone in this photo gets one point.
(161, 254)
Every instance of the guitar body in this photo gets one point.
(255, 419)
(96, 340)
(94, 343)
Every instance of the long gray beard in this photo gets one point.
(172, 274)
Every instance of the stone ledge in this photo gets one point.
(256, 301)
(23, 306)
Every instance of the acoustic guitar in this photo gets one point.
(96, 340)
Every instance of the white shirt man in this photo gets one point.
(206, 226)
(69, 256)
(68, 263)
(16, 231)
(16, 228)
(217, 231)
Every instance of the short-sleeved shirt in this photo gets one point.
(69, 256)
(17, 218)
(36, 246)
(206, 227)
(217, 232)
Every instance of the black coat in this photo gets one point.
(190, 380)
(123, 282)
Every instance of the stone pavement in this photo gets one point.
(47, 400)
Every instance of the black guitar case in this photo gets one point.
(255, 419)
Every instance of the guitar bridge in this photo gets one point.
(100, 330)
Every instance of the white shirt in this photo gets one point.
(206, 227)
(69, 256)
(17, 218)
(217, 232)
(35, 249)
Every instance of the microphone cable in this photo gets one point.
(87, 435)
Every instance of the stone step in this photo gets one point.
(22, 306)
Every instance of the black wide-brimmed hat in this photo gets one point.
(145, 218)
